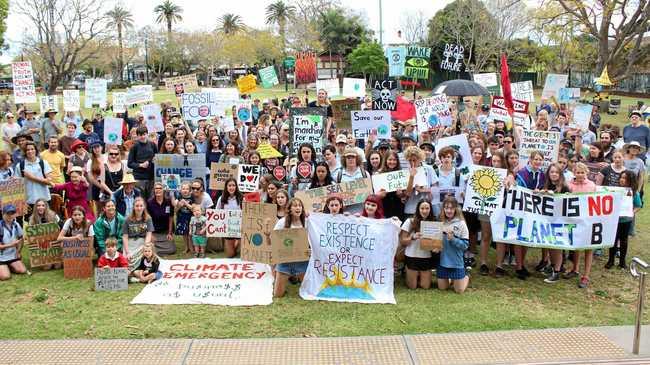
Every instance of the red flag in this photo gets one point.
(405, 110)
(505, 85)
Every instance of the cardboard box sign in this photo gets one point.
(255, 243)
(77, 259)
(113, 279)
(289, 245)
(431, 236)
(43, 247)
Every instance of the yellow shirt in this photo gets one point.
(57, 163)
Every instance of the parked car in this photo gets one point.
(6, 85)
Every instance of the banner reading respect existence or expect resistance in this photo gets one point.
(560, 221)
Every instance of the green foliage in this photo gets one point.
(341, 33)
(168, 13)
(367, 58)
(230, 24)
(4, 11)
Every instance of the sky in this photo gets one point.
(201, 14)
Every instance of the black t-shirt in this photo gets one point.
(612, 177)
(314, 104)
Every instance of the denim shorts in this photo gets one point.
(292, 268)
(450, 273)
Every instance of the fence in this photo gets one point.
(635, 83)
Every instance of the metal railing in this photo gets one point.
(638, 269)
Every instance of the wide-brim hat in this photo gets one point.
(14, 139)
(127, 179)
(637, 112)
(636, 144)
(50, 111)
(78, 143)
(341, 138)
(350, 151)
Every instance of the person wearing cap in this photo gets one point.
(19, 140)
(9, 130)
(56, 159)
(50, 127)
(140, 160)
(98, 126)
(383, 147)
(76, 192)
(341, 142)
(37, 174)
(407, 140)
(124, 197)
(88, 135)
(32, 126)
(637, 131)
(12, 242)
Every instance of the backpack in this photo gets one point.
(21, 165)
(456, 173)
(364, 174)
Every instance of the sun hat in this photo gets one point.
(77, 169)
(350, 151)
(341, 138)
(78, 143)
(636, 144)
(14, 139)
(127, 179)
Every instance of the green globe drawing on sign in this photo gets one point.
(288, 242)
(112, 137)
(382, 129)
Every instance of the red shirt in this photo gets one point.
(76, 195)
(118, 261)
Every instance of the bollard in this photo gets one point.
(634, 270)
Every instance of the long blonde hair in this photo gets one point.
(154, 255)
(145, 214)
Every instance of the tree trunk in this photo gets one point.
(55, 80)
(120, 62)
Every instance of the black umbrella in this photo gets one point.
(460, 88)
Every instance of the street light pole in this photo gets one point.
(381, 26)
(146, 61)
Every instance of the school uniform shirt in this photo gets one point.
(69, 231)
(453, 251)
(116, 261)
(414, 250)
(10, 233)
(33, 190)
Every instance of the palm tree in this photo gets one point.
(280, 13)
(121, 19)
(169, 13)
(230, 24)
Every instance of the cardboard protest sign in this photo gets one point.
(354, 88)
(432, 112)
(246, 84)
(223, 223)
(396, 59)
(289, 245)
(48, 102)
(96, 93)
(181, 84)
(23, 82)
(330, 85)
(523, 91)
(77, 259)
(71, 100)
(187, 167)
(201, 105)
(484, 189)
(119, 102)
(112, 279)
(153, 118)
(268, 77)
(452, 58)
(370, 243)
(258, 219)
(341, 110)
(307, 125)
(384, 94)
(417, 62)
(267, 151)
(568, 95)
(171, 182)
(461, 146)
(431, 235)
(43, 247)
(244, 112)
(113, 130)
(139, 94)
(488, 81)
(220, 172)
(548, 143)
(230, 282)
(248, 178)
(224, 99)
(582, 115)
(352, 192)
(12, 191)
(585, 221)
(553, 84)
(390, 181)
(365, 122)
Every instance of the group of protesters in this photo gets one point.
(108, 193)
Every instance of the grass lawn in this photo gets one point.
(46, 306)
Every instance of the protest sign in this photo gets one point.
(432, 112)
(365, 122)
(12, 191)
(77, 259)
(289, 245)
(417, 62)
(351, 259)
(307, 125)
(520, 113)
(113, 130)
(139, 94)
(246, 84)
(224, 99)
(438, 194)
(583, 221)
(267, 151)
(354, 88)
(452, 57)
(220, 172)
(244, 112)
(43, 247)
(170, 182)
(187, 167)
(568, 95)
(71, 100)
(396, 59)
(96, 93)
(268, 77)
(484, 189)
(201, 105)
(227, 124)
(520, 117)
(626, 208)
(548, 143)
(258, 219)
(248, 178)
(431, 235)
(582, 115)
(461, 146)
(223, 223)
(352, 192)
(111, 279)
(153, 118)
(390, 181)
(500, 115)
(23, 82)
(119, 103)
(488, 81)
(384, 94)
(523, 91)
(48, 102)
(185, 83)
(330, 85)
(230, 282)
(553, 84)
(341, 110)
(279, 173)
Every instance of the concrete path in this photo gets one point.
(600, 345)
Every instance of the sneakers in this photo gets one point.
(584, 282)
(552, 278)
(484, 270)
(609, 265)
(571, 275)
(499, 272)
(522, 274)
(540, 267)
(470, 262)
(134, 280)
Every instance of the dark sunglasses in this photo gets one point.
(196, 188)
(113, 154)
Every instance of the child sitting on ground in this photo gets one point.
(147, 270)
(112, 258)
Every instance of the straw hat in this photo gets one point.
(127, 179)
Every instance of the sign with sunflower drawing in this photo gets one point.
(484, 189)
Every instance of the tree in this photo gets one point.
(340, 33)
(4, 11)
(279, 13)
(65, 35)
(120, 18)
(168, 13)
(367, 58)
(414, 27)
(230, 24)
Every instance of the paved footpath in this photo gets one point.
(595, 345)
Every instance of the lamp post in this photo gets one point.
(146, 60)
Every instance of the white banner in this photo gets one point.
(397, 180)
(95, 93)
(113, 130)
(486, 80)
(523, 91)
(224, 99)
(23, 80)
(139, 94)
(354, 88)
(201, 105)
(365, 122)
(119, 102)
(229, 282)
(484, 189)
(351, 259)
(153, 118)
(223, 223)
(432, 112)
(71, 100)
(48, 102)
(558, 221)
(330, 85)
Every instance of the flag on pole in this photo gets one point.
(505, 84)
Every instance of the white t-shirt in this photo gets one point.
(10, 130)
(280, 224)
(413, 250)
(68, 223)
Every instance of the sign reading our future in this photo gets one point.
(417, 62)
